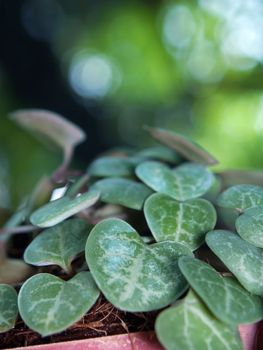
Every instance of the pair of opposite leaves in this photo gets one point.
(151, 279)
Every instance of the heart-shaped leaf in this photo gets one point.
(111, 167)
(58, 210)
(160, 153)
(184, 146)
(224, 296)
(134, 276)
(8, 307)
(58, 245)
(241, 197)
(51, 126)
(249, 226)
(191, 326)
(186, 181)
(183, 222)
(243, 259)
(49, 305)
(124, 192)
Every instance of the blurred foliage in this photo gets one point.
(23, 160)
(190, 66)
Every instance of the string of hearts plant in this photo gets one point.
(204, 281)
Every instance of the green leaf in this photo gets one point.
(191, 326)
(243, 259)
(51, 126)
(58, 210)
(249, 226)
(241, 197)
(8, 307)
(224, 296)
(124, 192)
(184, 146)
(134, 276)
(183, 222)
(14, 271)
(161, 153)
(184, 182)
(49, 305)
(111, 167)
(58, 245)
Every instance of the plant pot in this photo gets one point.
(251, 336)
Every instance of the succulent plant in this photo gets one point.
(151, 229)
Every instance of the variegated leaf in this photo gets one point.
(8, 307)
(58, 245)
(184, 182)
(241, 197)
(60, 209)
(224, 296)
(249, 226)
(190, 326)
(134, 276)
(184, 222)
(243, 259)
(49, 305)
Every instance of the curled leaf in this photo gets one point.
(58, 210)
(52, 126)
(184, 146)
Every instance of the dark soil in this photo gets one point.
(103, 319)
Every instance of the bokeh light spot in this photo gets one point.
(93, 75)
(179, 26)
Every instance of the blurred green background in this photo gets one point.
(113, 66)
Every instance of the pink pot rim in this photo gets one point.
(133, 341)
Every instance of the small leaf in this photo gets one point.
(184, 146)
(241, 197)
(183, 222)
(124, 192)
(132, 275)
(14, 271)
(249, 226)
(184, 182)
(111, 167)
(235, 177)
(58, 245)
(224, 296)
(58, 210)
(8, 307)
(242, 258)
(161, 153)
(49, 305)
(51, 125)
(191, 326)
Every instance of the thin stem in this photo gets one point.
(18, 229)
(59, 173)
